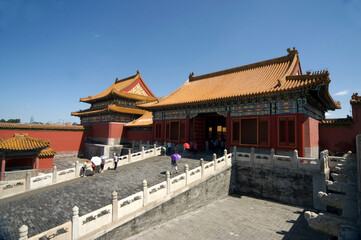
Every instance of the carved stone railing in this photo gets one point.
(127, 208)
(293, 161)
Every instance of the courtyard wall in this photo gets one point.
(63, 139)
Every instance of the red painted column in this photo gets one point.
(187, 129)
(228, 126)
(3, 162)
(301, 124)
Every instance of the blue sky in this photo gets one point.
(54, 52)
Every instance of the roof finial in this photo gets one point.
(308, 72)
(116, 79)
(293, 51)
(138, 72)
(191, 75)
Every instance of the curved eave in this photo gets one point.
(109, 108)
(47, 153)
(146, 120)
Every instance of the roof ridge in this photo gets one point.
(315, 74)
(289, 57)
(127, 78)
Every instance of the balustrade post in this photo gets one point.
(77, 169)
(23, 232)
(75, 223)
(202, 167)
(215, 161)
(27, 181)
(133, 144)
(295, 159)
(55, 174)
(225, 158)
(114, 206)
(130, 155)
(155, 149)
(234, 153)
(327, 158)
(168, 182)
(143, 154)
(186, 170)
(145, 192)
(140, 144)
(323, 162)
(252, 155)
(272, 157)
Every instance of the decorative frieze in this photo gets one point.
(250, 109)
(107, 118)
(239, 109)
(113, 101)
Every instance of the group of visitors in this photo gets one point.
(98, 168)
(215, 145)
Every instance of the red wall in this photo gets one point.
(61, 141)
(341, 138)
(132, 135)
(107, 130)
(311, 132)
(45, 163)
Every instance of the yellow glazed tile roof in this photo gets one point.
(47, 153)
(145, 120)
(23, 143)
(258, 79)
(109, 108)
(337, 122)
(118, 87)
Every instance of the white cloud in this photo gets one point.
(96, 35)
(341, 93)
(328, 114)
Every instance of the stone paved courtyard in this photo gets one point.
(236, 218)
(48, 207)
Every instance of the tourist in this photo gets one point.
(176, 148)
(173, 166)
(162, 151)
(102, 164)
(169, 148)
(85, 164)
(195, 148)
(116, 161)
(93, 169)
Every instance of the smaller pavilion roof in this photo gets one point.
(23, 143)
(132, 87)
(47, 153)
(144, 121)
(109, 108)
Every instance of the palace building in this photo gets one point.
(269, 104)
(113, 108)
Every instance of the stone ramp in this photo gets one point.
(51, 206)
(236, 218)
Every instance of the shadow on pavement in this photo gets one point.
(301, 231)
